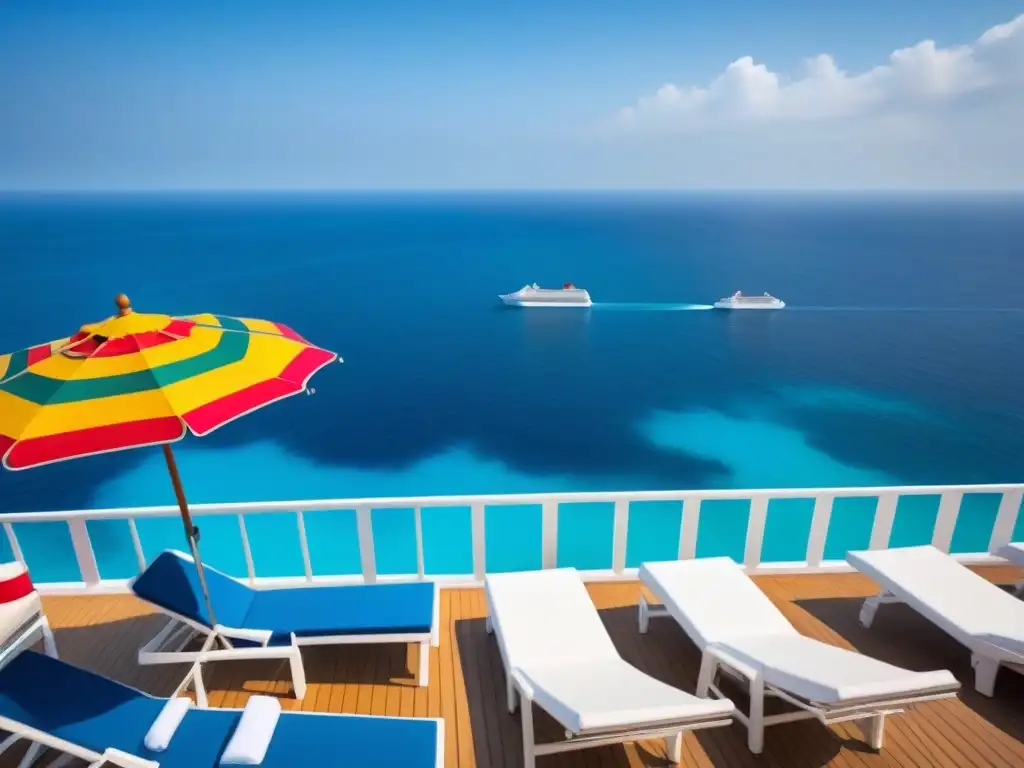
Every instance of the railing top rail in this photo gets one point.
(313, 505)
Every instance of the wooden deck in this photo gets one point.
(467, 684)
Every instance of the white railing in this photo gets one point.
(950, 504)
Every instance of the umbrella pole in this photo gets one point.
(191, 531)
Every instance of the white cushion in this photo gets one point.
(950, 595)
(255, 729)
(825, 673)
(714, 600)
(546, 617)
(614, 694)
(166, 723)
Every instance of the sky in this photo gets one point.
(458, 94)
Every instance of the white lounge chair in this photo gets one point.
(557, 653)
(741, 632)
(1015, 554)
(975, 612)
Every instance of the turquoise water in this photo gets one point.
(890, 366)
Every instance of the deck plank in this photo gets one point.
(467, 683)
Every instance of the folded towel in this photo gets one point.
(166, 723)
(251, 739)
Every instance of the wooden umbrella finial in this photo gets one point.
(124, 305)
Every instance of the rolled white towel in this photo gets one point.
(166, 723)
(251, 739)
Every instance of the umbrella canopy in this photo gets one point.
(135, 380)
(138, 379)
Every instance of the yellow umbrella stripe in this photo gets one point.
(266, 358)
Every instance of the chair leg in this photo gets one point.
(755, 725)
(34, 751)
(708, 668)
(298, 673)
(674, 747)
(197, 682)
(869, 609)
(529, 754)
(874, 731)
(985, 670)
(49, 644)
(423, 676)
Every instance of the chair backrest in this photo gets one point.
(545, 617)
(943, 590)
(714, 600)
(171, 582)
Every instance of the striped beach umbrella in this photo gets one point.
(137, 380)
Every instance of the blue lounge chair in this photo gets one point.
(274, 623)
(53, 704)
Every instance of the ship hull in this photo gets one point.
(734, 305)
(553, 298)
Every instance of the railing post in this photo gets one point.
(140, 555)
(476, 512)
(83, 551)
(421, 569)
(307, 563)
(689, 527)
(549, 535)
(755, 531)
(1006, 520)
(367, 559)
(620, 532)
(250, 565)
(885, 514)
(945, 520)
(12, 538)
(819, 529)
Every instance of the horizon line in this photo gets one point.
(100, 191)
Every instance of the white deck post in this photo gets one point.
(549, 535)
(945, 520)
(479, 541)
(367, 559)
(689, 527)
(1006, 520)
(250, 565)
(620, 532)
(885, 514)
(86, 558)
(819, 529)
(755, 531)
(421, 568)
(307, 563)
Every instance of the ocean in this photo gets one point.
(897, 361)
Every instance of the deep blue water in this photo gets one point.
(897, 361)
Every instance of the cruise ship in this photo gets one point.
(739, 301)
(805, 663)
(535, 296)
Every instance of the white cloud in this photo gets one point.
(915, 82)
